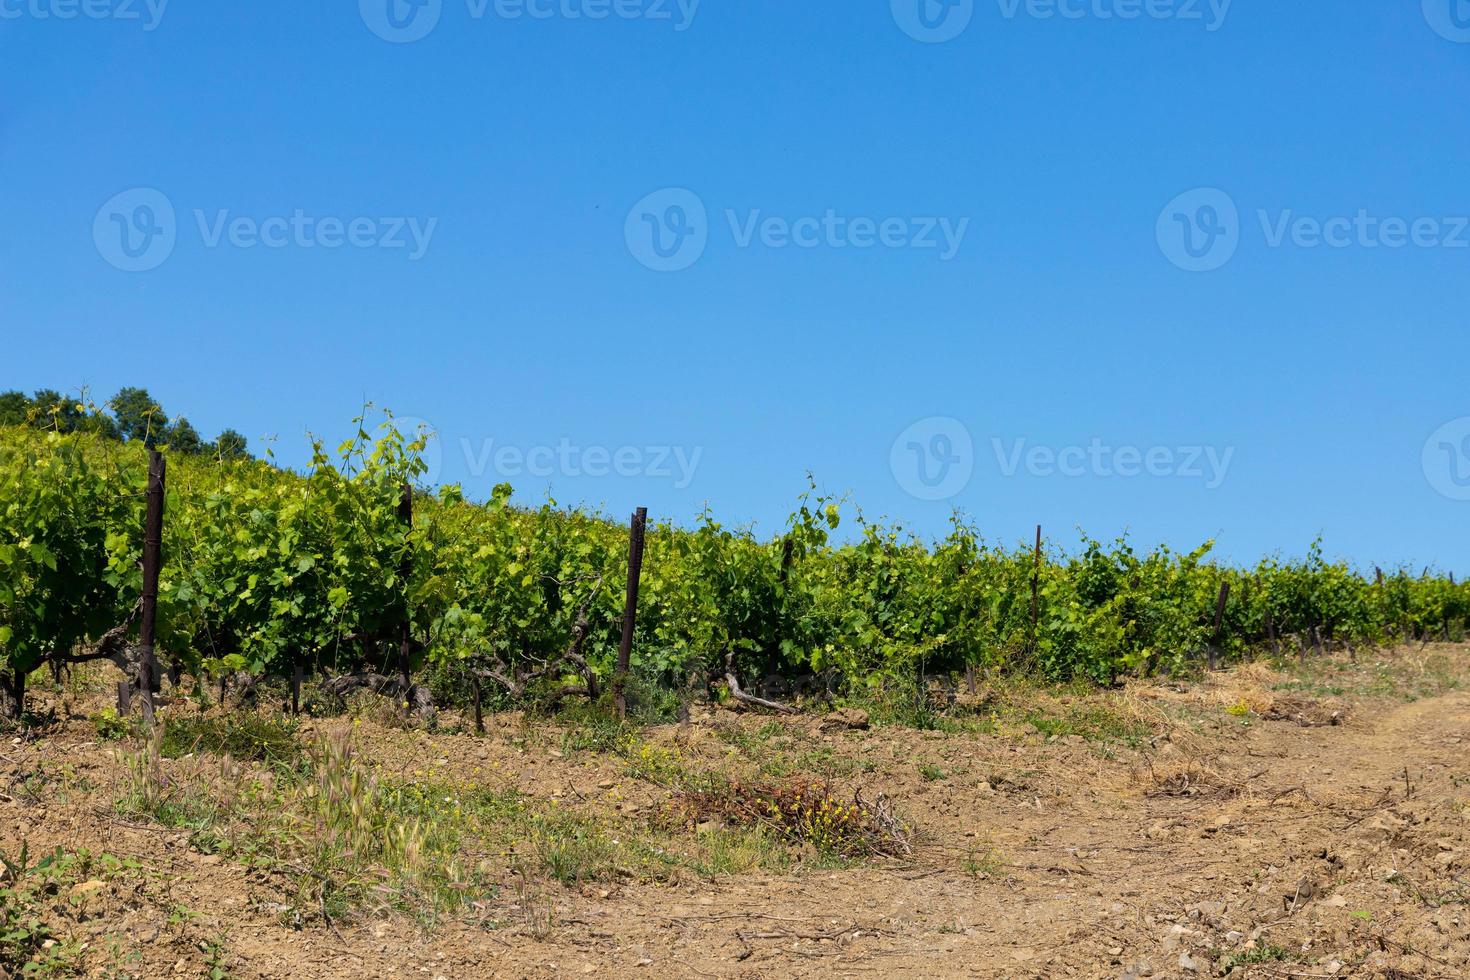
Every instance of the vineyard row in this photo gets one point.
(342, 571)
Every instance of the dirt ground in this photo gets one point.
(1254, 824)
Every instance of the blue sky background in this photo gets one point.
(529, 320)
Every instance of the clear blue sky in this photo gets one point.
(1063, 317)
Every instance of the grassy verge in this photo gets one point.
(347, 839)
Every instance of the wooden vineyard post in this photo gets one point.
(152, 564)
(630, 608)
(1270, 618)
(124, 698)
(405, 627)
(1245, 607)
(1035, 593)
(479, 703)
(1219, 621)
(296, 677)
(1444, 627)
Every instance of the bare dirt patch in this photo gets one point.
(1270, 823)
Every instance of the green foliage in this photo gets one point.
(31, 897)
(266, 569)
(230, 446)
(15, 408)
(182, 437)
(135, 416)
(110, 725)
(1265, 953)
(240, 735)
(139, 417)
(23, 934)
(69, 525)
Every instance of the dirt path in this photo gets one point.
(1304, 840)
(1295, 847)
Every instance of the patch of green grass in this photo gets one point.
(594, 731)
(1312, 688)
(657, 764)
(981, 861)
(110, 725)
(750, 739)
(826, 762)
(357, 840)
(1374, 675)
(240, 735)
(200, 806)
(904, 709)
(572, 852)
(738, 851)
(1092, 722)
(932, 773)
(1265, 953)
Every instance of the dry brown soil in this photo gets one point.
(1311, 830)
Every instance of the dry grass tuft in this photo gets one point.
(804, 811)
(1306, 712)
